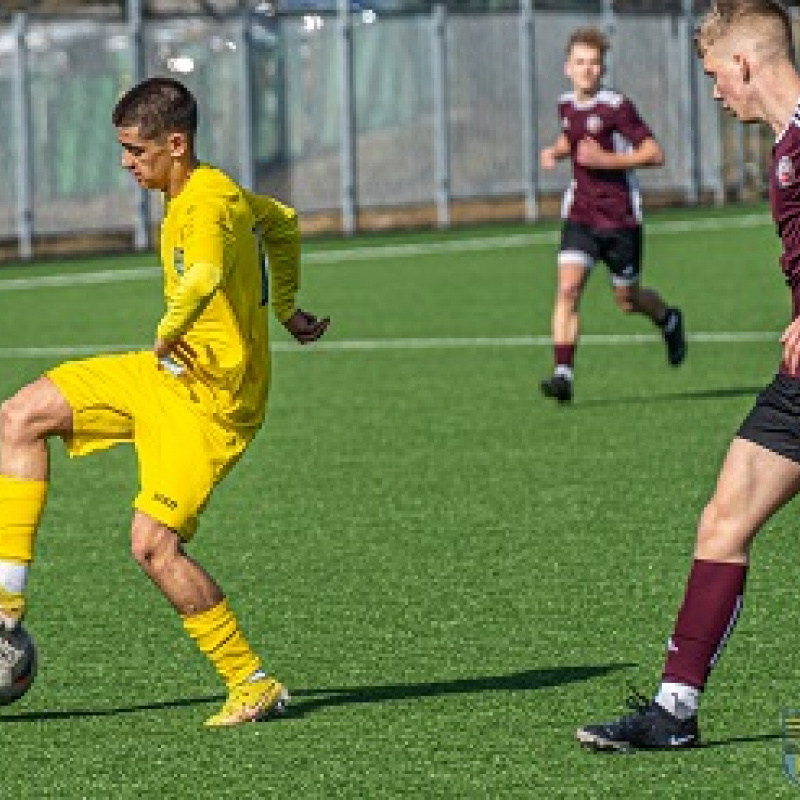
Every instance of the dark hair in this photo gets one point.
(157, 106)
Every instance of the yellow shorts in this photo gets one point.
(182, 452)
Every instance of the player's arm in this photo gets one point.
(790, 340)
(645, 151)
(648, 153)
(555, 152)
(280, 235)
(204, 268)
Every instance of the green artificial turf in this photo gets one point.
(449, 572)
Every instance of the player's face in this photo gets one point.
(731, 87)
(150, 161)
(585, 69)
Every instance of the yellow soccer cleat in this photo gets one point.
(12, 608)
(251, 701)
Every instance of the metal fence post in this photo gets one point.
(348, 125)
(530, 133)
(23, 135)
(691, 109)
(141, 235)
(245, 85)
(609, 24)
(441, 138)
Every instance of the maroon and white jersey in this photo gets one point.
(602, 198)
(784, 201)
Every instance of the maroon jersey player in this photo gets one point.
(606, 139)
(747, 49)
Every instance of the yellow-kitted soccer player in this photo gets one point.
(191, 405)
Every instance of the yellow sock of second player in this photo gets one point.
(217, 634)
(21, 505)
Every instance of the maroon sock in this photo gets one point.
(564, 355)
(711, 606)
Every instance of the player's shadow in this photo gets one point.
(756, 737)
(670, 397)
(78, 713)
(305, 701)
(528, 680)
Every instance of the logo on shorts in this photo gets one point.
(594, 124)
(565, 123)
(785, 172)
(177, 260)
(167, 501)
(791, 744)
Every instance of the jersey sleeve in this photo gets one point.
(280, 234)
(631, 125)
(205, 262)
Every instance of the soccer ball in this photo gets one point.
(17, 663)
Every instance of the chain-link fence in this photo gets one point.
(359, 120)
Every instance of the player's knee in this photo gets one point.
(718, 534)
(36, 411)
(15, 419)
(153, 545)
(569, 294)
(627, 302)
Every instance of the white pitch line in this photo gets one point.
(391, 251)
(432, 343)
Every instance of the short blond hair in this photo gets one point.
(768, 20)
(590, 37)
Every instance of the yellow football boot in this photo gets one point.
(12, 608)
(251, 701)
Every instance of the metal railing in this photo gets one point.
(350, 117)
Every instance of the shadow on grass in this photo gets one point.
(757, 737)
(78, 713)
(671, 397)
(517, 681)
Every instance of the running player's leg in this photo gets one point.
(622, 251)
(27, 419)
(575, 260)
(760, 474)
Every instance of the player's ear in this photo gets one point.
(178, 142)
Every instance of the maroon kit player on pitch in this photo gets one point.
(747, 49)
(606, 139)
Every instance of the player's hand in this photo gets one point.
(178, 349)
(547, 158)
(306, 327)
(590, 154)
(791, 345)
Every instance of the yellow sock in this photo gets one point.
(217, 634)
(21, 505)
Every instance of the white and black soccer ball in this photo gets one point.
(17, 663)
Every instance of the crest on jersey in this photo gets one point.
(594, 124)
(565, 122)
(785, 172)
(177, 260)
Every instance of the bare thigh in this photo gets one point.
(753, 484)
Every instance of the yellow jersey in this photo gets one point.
(214, 239)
